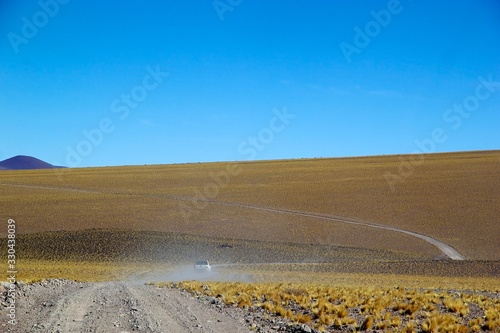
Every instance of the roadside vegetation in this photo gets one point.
(328, 308)
(32, 270)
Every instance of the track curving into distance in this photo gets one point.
(446, 249)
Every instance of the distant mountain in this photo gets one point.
(25, 163)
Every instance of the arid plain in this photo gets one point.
(270, 211)
(453, 197)
(361, 226)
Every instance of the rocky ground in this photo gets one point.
(57, 305)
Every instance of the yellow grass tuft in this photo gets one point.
(395, 322)
(457, 306)
(367, 323)
(381, 325)
(275, 298)
(302, 318)
(327, 320)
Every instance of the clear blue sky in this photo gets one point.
(232, 65)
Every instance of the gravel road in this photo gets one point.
(66, 306)
(60, 306)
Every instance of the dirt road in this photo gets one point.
(446, 249)
(66, 306)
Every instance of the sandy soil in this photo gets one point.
(66, 306)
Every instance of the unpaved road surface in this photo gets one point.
(67, 306)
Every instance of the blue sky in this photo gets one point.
(241, 80)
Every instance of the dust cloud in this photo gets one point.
(188, 273)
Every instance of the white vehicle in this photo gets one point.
(202, 266)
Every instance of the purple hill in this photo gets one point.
(25, 163)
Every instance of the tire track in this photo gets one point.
(119, 307)
(70, 311)
(446, 249)
(187, 312)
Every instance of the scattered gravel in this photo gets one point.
(66, 306)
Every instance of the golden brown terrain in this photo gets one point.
(287, 225)
(452, 197)
(99, 255)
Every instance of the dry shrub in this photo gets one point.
(268, 306)
(490, 325)
(302, 318)
(327, 320)
(244, 300)
(295, 291)
(367, 323)
(492, 313)
(348, 321)
(319, 301)
(395, 322)
(492, 317)
(230, 299)
(456, 306)
(475, 322)
(409, 328)
(475, 328)
(381, 325)
(340, 310)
